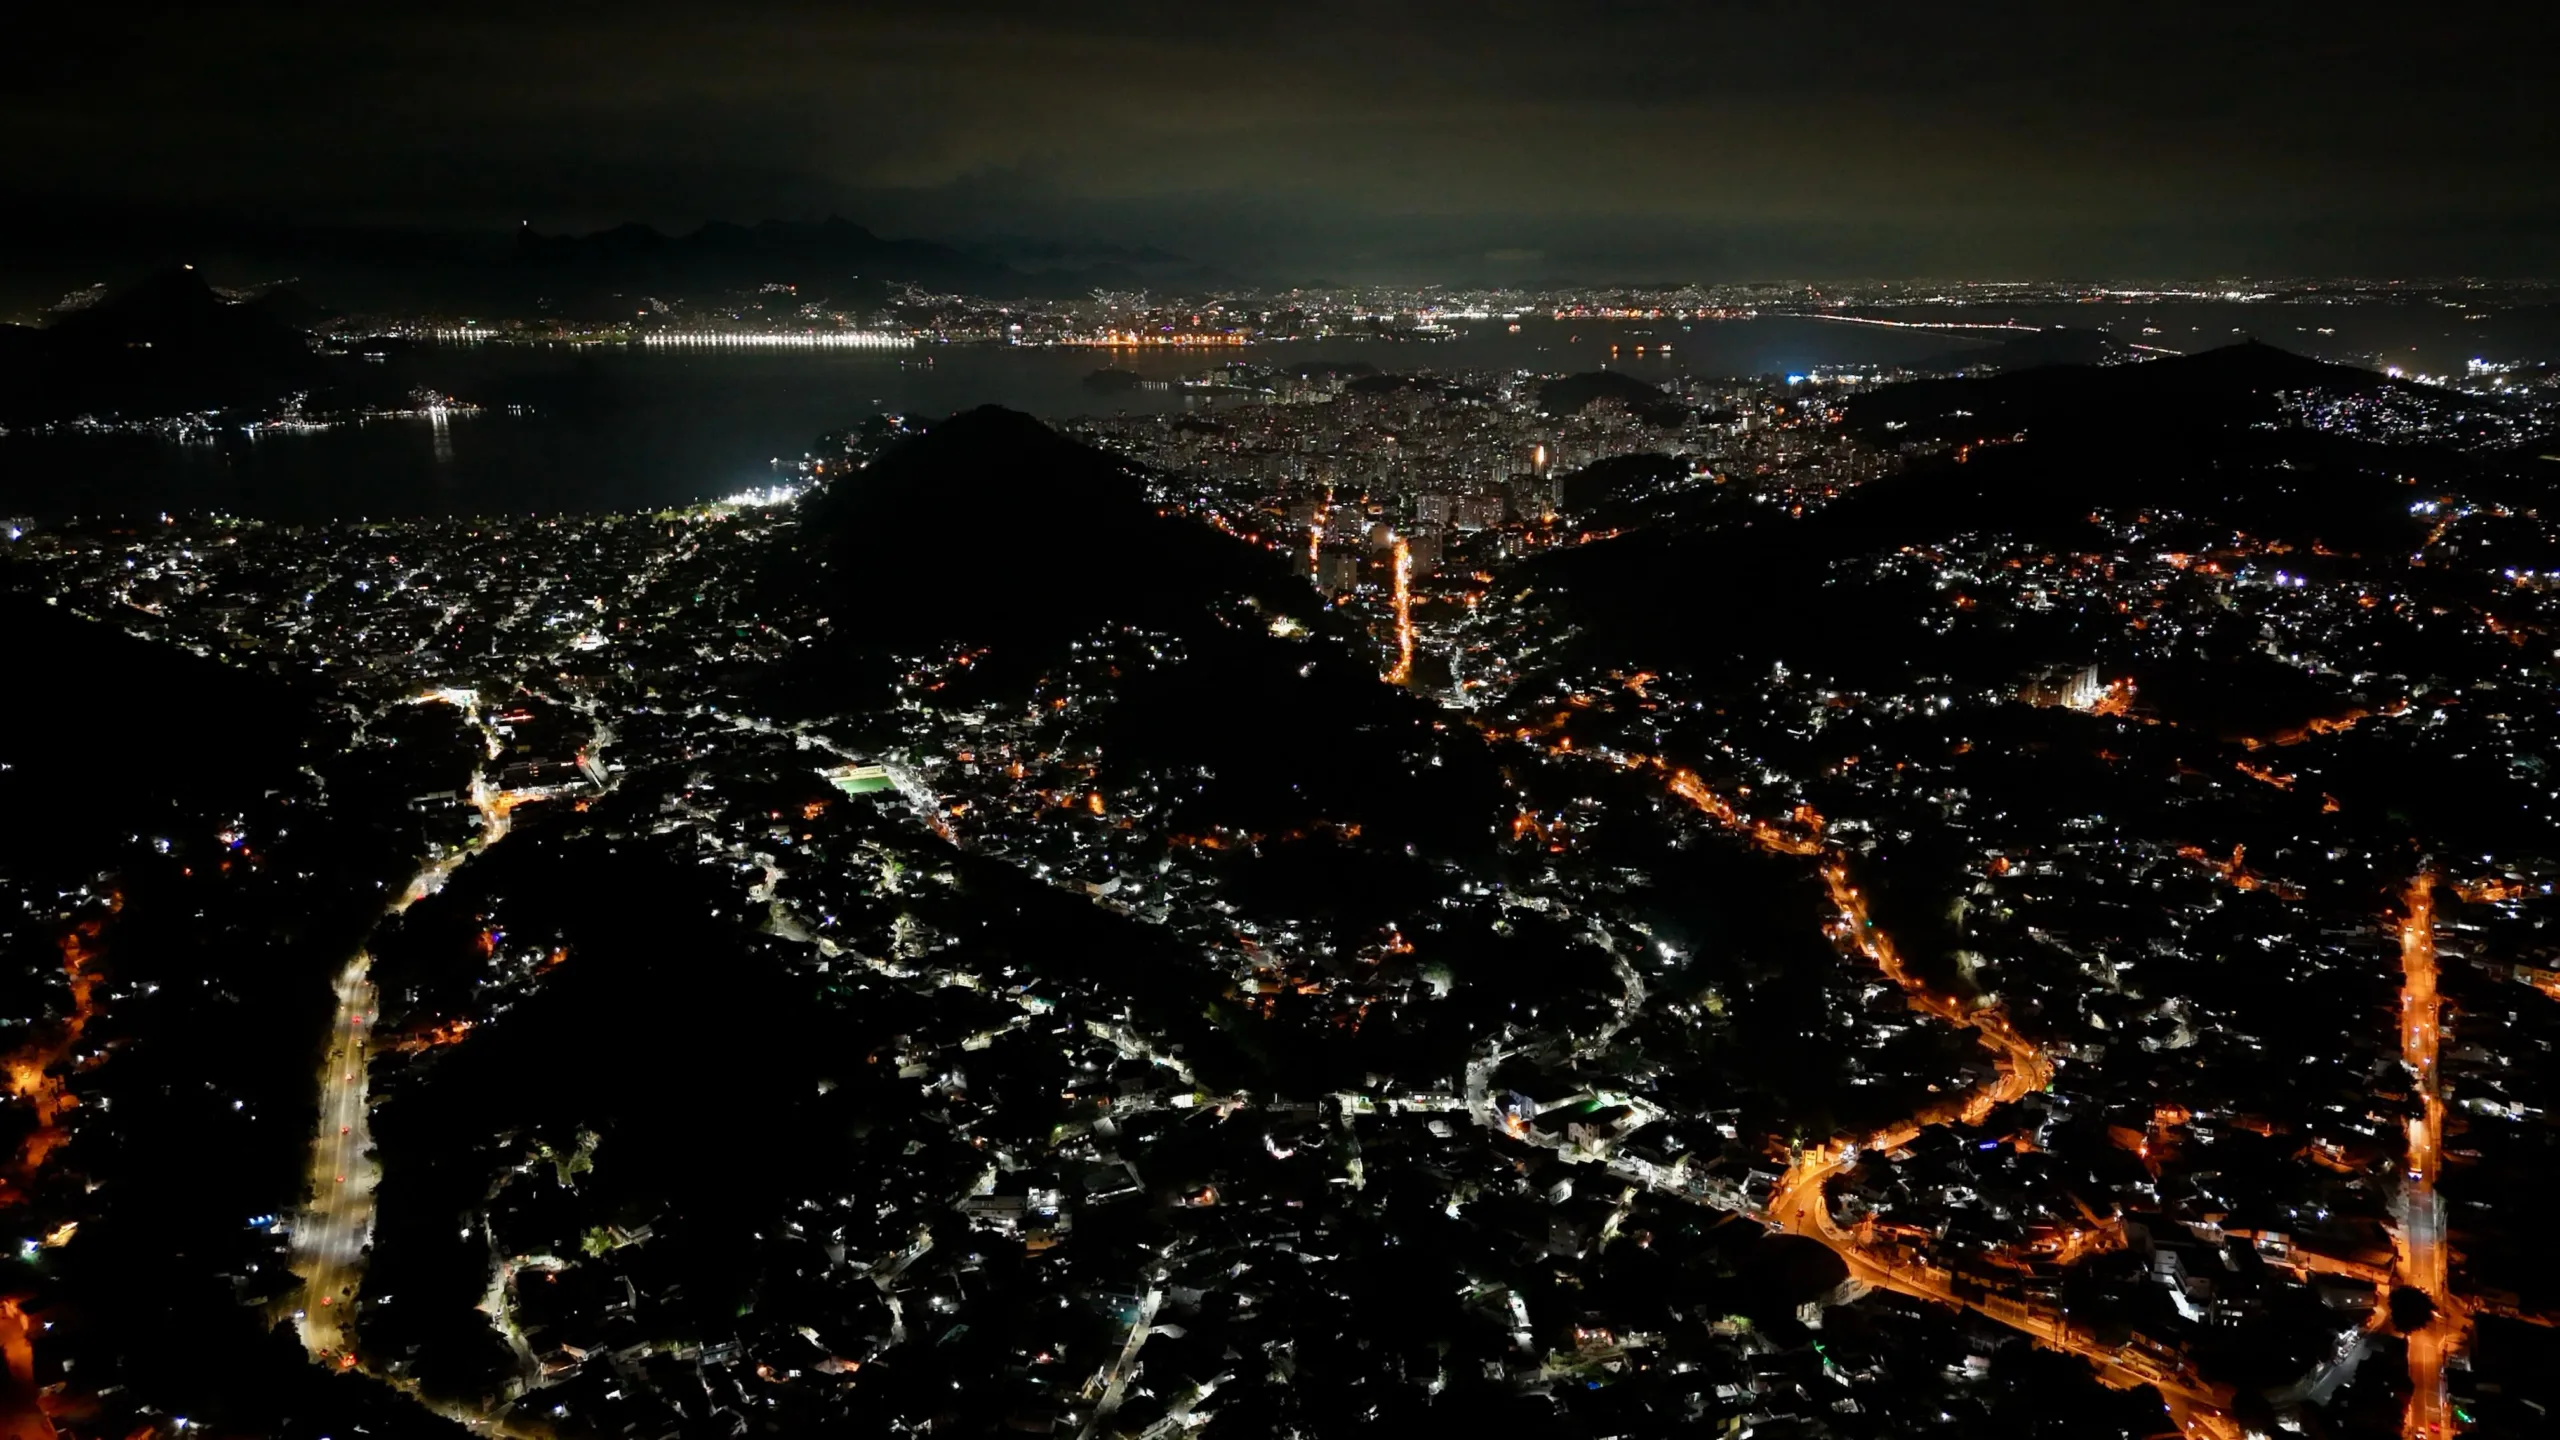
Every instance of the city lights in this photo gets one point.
(776, 340)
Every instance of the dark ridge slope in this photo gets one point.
(2223, 389)
(992, 529)
(1572, 394)
(2058, 345)
(165, 344)
(2178, 440)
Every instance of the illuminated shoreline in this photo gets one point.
(751, 340)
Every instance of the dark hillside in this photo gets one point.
(2216, 390)
(2181, 442)
(166, 344)
(1572, 394)
(991, 529)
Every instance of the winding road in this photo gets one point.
(329, 1238)
(1798, 1205)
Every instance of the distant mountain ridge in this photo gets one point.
(482, 269)
(834, 258)
(722, 254)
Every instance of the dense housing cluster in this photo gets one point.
(1804, 906)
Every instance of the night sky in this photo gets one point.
(1483, 141)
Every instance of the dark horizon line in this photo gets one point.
(138, 239)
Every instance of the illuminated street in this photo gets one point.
(2424, 1260)
(332, 1237)
(22, 1415)
(1798, 1205)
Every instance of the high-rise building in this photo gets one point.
(1338, 571)
(1521, 491)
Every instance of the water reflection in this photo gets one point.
(644, 427)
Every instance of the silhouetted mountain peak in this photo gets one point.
(175, 308)
(2253, 362)
(1006, 470)
(172, 293)
(167, 342)
(992, 528)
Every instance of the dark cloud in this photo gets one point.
(1373, 138)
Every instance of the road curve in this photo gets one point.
(1798, 1206)
(330, 1236)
